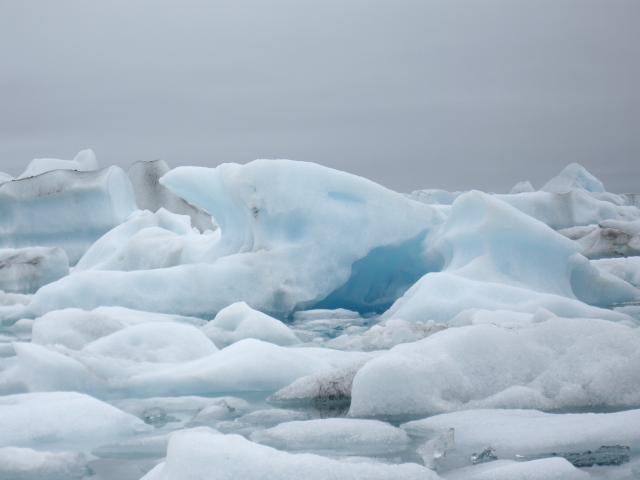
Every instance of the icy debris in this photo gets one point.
(84, 161)
(63, 419)
(435, 449)
(27, 464)
(194, 453)
(225, 408)
(486, 455)
(75, 328)
(604, 455)
(156, 417)
(25, 270)
(548, 365)
(386, 334)
(183, 406)
(64, 208)
(239, 321)
(261, 419)
(152, 196)
(148, 241)
(335, 436)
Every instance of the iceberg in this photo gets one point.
(548, 365)
(64, 208)
(239, 321)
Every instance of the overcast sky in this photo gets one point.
(452, 94)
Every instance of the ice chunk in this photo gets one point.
(386, 334)
(518, 434)
(151, 195)
(435, 449)
(164, 342)
(63, 418)
(322, 390)
(147, 241)
(611, 238)
(521, 187)
(239, 321)
(548, 365)
(153, 446)
(75, 328)
(628, 269)
(84, 161)
(194, 453)
(261, 419)
(335, 436)
(64, 208)
(25, 270)
(225, 408)
(28, 464)
(573, 177)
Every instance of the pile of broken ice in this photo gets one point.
(285, 320)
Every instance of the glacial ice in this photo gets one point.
(25, 270)
(28, 464)
(239, 321)
(64, 208)
(310, 312)
(554, 364)
(335, 436)
(146, 241)
(515, 434)
(66, 419)
(75, 328)
(151, 195)
(192, 454)
(84, 161)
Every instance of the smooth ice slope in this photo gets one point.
(62, 418)
(25, 270)
(64, 208)
(151, 195)
(559, 363)
(195, 454)
(239, 321)
(84, 161)
(28, 464)
(291, 234)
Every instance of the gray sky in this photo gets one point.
(452, 94)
